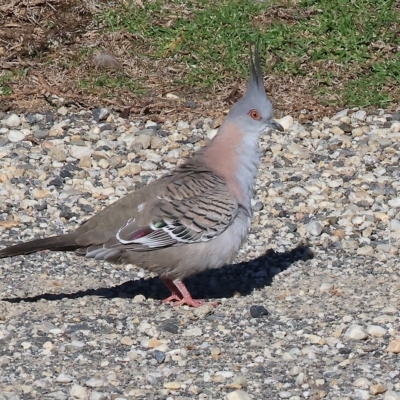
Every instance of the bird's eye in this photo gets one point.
(255, 115)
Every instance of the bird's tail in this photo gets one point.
(56, 243)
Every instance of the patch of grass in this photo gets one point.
(347, 49)
(9, 77)
(112, 82)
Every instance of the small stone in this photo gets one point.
(15, 136)
(170, 326)
(104, 164)
(365, 251)
(391, 395)
(97, 396)
(360, 115)
(238, 395)
(95, 382)
(62, 110)
(100, 114)
(172, 96)
(148, 166)
(40, 134)
(80, 151)
(378, 388)
(395, 203)
(240, 380)
(196, 331)
(13, 121)
(63, 378)
(258, 311)
(56, 331)
(58, 154)
(286, 122)
(78, 392)
(127, 341)
(336, 130)
(326, 287)
(346, 128)
(174, 385)
(394, 225)
(362, 394)
(159, 356)
(258, 206)
(394, 346)
(395, 127)
(139, 298)
(134, 169)
(284, 394)
(356, 332)
(375, 330)
(296, 370)
(77, 343)
(85, 162)
(361, 383)
(144, 140)
(211, 133)
(360, 131)
(340, 114)
(203, 311)
(215, 352)
(314, 228)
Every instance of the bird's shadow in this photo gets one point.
(240, 278)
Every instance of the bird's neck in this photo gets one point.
(235, 157)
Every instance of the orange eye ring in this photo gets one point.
(254, 114)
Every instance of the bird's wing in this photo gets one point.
(194, 207)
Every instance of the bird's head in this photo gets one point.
(253, 113)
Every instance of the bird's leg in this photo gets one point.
(175, 293)
(186, 296)
(181, 295)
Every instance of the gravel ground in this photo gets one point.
(309, 310)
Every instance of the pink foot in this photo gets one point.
(189, 302)
(181, 295)
(173, 297)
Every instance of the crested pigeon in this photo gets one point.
(194, 218)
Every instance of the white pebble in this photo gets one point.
(95, 382)
(394, 225)
(193, 332)
(365, 251)
(341, 114)
(395, 203)
(286, 122)
(314, 228)
(80, 152)
(15, 136)
(79, 392)
(225, 374)
(211, 133)
(63, 378)
(391, 395)
(356, 332)
(238, 395)
(326, 287)
(362, 394)
(362, 383)
(148, 166)
(360, 115)
(375, 330)
(13, 121)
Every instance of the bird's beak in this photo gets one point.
(275, 125)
